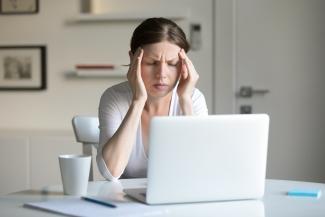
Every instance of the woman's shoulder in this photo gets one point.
(199, 103)
(120, 92)
(197, 93)
(122, 88)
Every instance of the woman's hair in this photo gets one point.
(154, 30)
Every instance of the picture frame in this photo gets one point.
(8, 7)
(23, 67)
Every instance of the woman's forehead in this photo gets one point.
(161, 49)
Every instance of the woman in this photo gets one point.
(161, 82)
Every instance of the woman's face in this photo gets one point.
(160, 68)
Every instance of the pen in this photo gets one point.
(99, 202)
(305, 192)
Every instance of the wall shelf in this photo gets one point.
(88, 70)
(131, 16)
(111, 74)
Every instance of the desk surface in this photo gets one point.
(274, 204)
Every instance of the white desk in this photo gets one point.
(275, 203)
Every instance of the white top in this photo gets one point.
(113, 107)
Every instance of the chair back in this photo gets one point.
(86, 129)
(86, 132)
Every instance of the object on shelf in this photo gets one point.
(95, 66)
(195, 36)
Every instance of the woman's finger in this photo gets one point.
(135, 57)
(189, 64)
(134, 63)
(184, 71)
(139, 60)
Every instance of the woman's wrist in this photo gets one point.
(186, 105)
(138, 103)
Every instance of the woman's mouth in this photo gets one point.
(160, 86)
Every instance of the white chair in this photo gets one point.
(87, 132)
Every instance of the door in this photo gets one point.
(278, 65)
(280, 54)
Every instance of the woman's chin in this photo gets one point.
(159, 94)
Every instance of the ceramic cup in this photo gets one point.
(75, 173)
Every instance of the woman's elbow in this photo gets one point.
(114, 170)
(107, 172)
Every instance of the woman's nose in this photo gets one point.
(161, 70)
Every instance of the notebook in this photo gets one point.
(205, 158)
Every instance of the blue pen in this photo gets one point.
(99, 202)
(305, 192)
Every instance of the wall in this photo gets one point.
(29, 159)
(69, 43)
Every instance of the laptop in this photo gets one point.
(205, 158)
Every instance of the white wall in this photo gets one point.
(67, 45)
(72, 43)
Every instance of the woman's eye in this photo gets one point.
(172, 64)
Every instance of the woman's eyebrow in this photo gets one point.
(174, 59)
(151, 58)
(158, 59)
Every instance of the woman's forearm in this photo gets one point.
(117, 150)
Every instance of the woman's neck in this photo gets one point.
(158, 106)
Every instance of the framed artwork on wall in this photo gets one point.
(23, 67)
(19, 6)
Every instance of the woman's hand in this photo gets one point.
(135, 78)
(187, 82)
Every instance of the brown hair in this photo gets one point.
(154, 30)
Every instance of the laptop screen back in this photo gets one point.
(217, 157)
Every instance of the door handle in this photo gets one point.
(248, 91)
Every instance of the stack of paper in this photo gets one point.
(79, 207)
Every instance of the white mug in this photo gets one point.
(75, 173)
